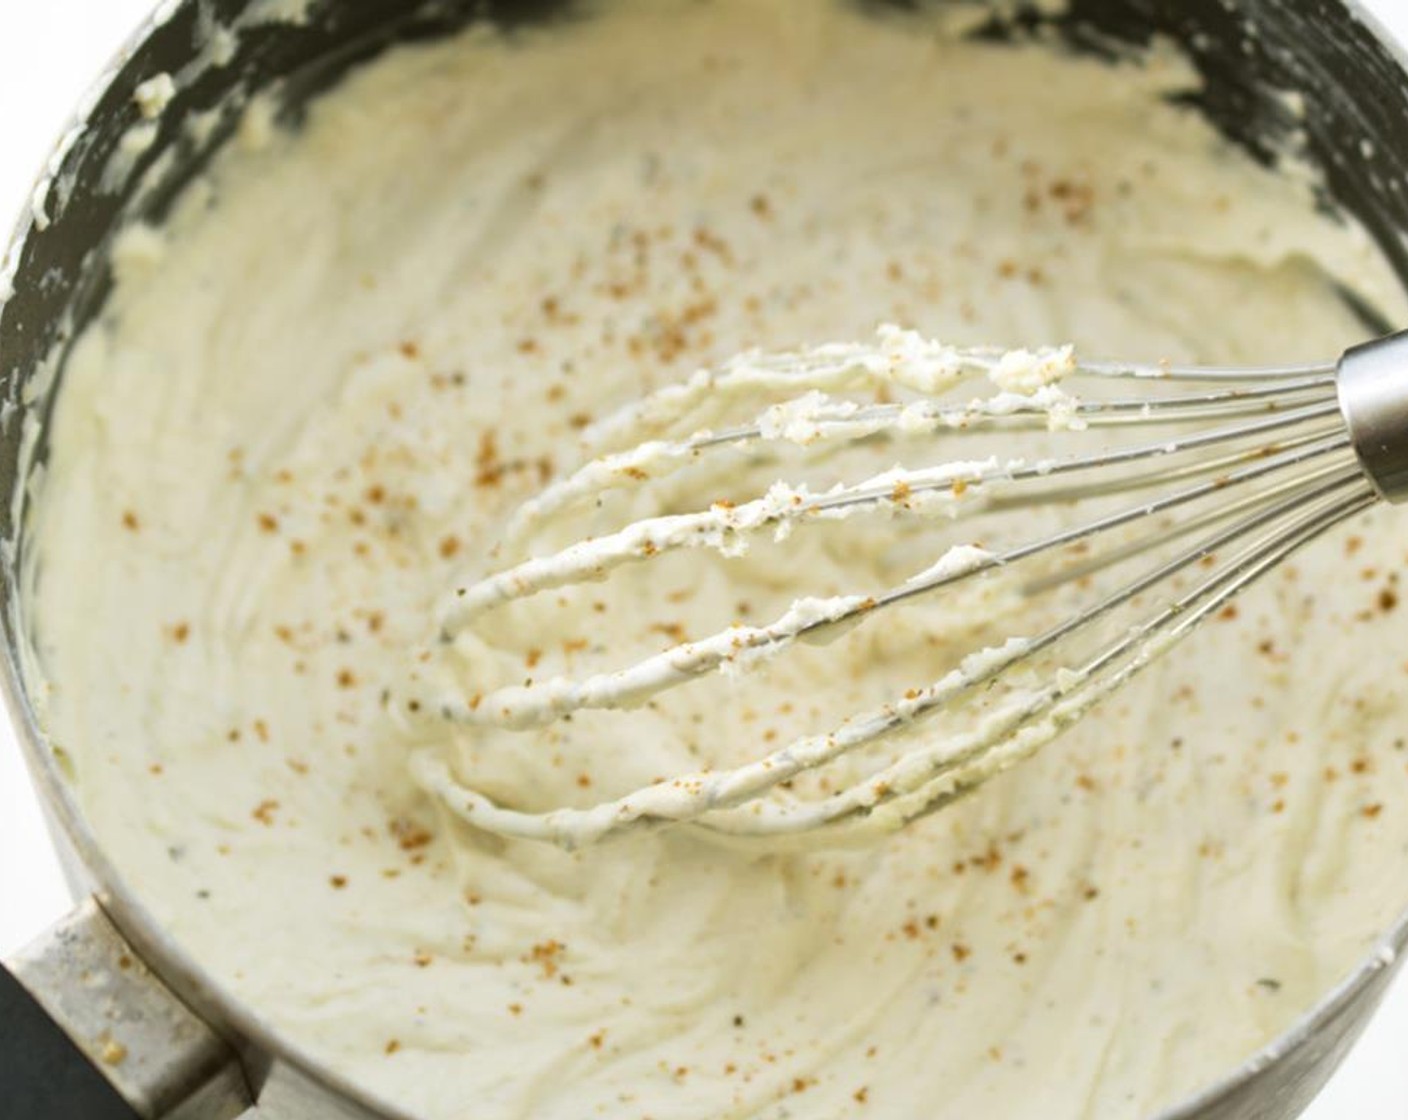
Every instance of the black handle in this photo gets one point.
(43, 1074)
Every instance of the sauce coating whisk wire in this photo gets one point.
(1246, 467)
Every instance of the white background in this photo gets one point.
(49, 51)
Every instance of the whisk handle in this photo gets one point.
(1373, 395)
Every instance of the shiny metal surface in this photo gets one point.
(1373, 392)
(54, 276)
(162, 1057)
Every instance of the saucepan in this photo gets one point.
(105, 1015)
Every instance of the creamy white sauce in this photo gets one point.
(320, 393)
(154, 95)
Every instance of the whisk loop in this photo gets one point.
(1243, 466)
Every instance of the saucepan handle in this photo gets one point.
(88, 1031)
(43, 1073)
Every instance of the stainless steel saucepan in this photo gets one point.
(105, 1016)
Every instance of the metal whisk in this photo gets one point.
(1248, 466)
